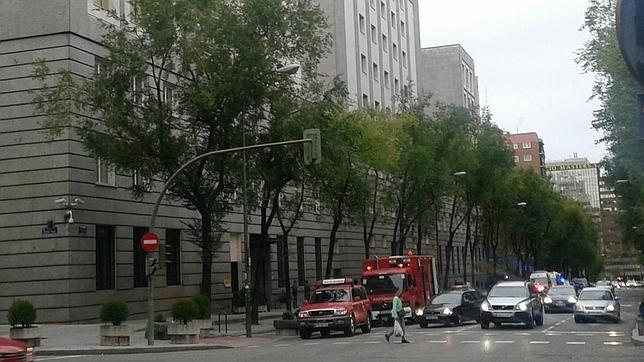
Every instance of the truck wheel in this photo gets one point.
(366, 328)
(530, 322)
(423, 323)
(351, 329)
(305, 333)
(578, 319)
(485, 325)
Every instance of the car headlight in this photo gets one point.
(523, 306)
(419, 312)
(30, 354)
(610, 308)
(340, 311)
(579, 307)
(485, 306)
(447, 311)
(303, 314)
(547, 300)
(572, 300)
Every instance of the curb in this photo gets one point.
(636, 339)
(127, 350)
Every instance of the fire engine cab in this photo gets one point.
(415, 274)
(335, 305)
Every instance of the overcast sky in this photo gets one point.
(524, 53)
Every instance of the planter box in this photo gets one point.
(161, 331)
(28, 335)
(205, 326)
(285, 327)
(262, 308)
(239, 310)
(116, 336)
(183, 333)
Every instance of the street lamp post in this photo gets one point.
(285, 70)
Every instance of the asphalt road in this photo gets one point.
(559, 339)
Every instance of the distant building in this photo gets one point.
(577, 179)
(528, 151)
(610, 230)
(448, 74)
(375, 45)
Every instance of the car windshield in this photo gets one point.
(383, 284)
(330, 295)
(540, 280)
(580, 280)
(562, 291)
(595, 295)
(447, 298)
(511, 292)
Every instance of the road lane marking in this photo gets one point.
(432, 334)
(254, 346)
(553, 334)
(470, 342)
(372, 342)
(522, 334)
(56, 358)
(539, 342)
(626, 305)
(576, 343)
(442, 341)
(504, 342)
(491, 334)
(282, 345)
(612, 343)
(341, 343)
(311, 343)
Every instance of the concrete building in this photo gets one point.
(375, 49)
(610, 229)
(448, 74)
(67, 270)
(577, 179)
(528, 151)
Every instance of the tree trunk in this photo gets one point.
(468, 241)
(448, 247)
(206, 255)
(287, 273)
(337, 221)
(473, 246)
(419, 242)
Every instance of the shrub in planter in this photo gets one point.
(159, 318)
(203, 306)
(21, 317)
(21, 313)
(184, 311)
(160, 327)
(115, 312)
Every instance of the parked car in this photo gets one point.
(15, 351)
(560, 298)
(597, 303)
(335, 305)
(512, 302)
(453, 307)
(631, 283)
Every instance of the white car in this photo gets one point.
(631, 283)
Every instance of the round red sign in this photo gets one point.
(150, 242)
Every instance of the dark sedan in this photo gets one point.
(560, 298)
(453, 307)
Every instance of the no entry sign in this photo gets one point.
(150, 242)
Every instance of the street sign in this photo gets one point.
(150, 242)
(313, 149)
(630, 32)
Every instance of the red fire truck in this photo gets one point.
(382, 277)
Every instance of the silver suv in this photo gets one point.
(512, 302)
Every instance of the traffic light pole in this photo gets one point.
(150, 304)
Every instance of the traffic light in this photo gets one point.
(313, 149)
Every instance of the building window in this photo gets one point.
(394, 49)
(386, 75)
(363, 63)
(98, 65)
(383, 10)
(385, 46)
(404, 58)
(169, 96)
(105, 257)
(173, 256)
(365, 100)
(372, 3)
(138, 266)
(402, 28)
(396, 85)
(140, 182)
(516, 159)
(527, 158)
(515, 146)
(281, 269)
(362, 24)
(301, 272)
(376, 105)
(375, 72)
(526, 145)
(107, 5)
(393, 20)
(374, 34)
(318, 259)
(105, 173)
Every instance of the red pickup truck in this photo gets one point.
(15, 351)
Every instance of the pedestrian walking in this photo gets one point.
(294, 293)
(398, 314)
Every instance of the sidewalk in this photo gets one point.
(82, 339)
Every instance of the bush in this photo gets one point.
(184, 311)
(115, 312)
(159, 318)
(203, 306)
(21, 313)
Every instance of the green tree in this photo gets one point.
(175, 84)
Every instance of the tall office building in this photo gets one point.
(376, 43)
(448, 74)
(528, 151)
(577, 179)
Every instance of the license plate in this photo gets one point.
(321, 325)
(431, 317)
(502, 314)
